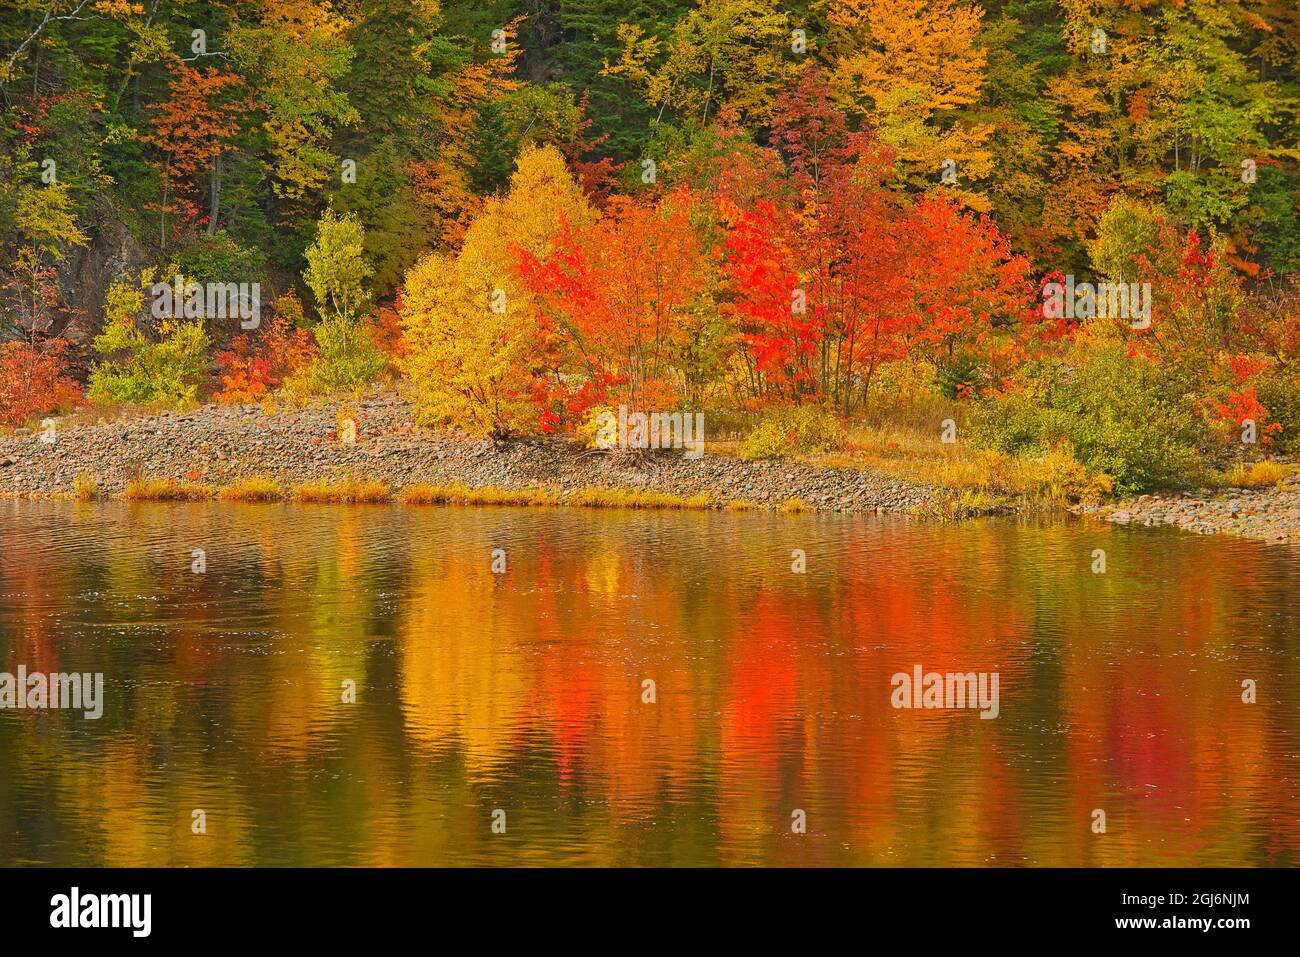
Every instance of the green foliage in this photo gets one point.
(349, 359)
(1279, 392)
(218, 257)
(338, 274)
(382, 201)
(796, 430)
(337, 271)
(1127, 229)
(140, 369)
(1117, 415)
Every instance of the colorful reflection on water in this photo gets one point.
(523, 691)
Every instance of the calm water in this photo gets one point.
(523, 691)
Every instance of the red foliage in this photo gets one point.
(250, 368)
(762, 266)
(615, 296)
(386, 332)
(34, 381)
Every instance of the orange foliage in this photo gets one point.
(34, 381)
(250, 368)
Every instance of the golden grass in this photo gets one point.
(165, 490)
(458, 493)
(85, 488)
(348, 491)
(1256, 475)
(950, 505)
(255, 489)
(794, 506)
(905, 444)
(607, 497)
(741, 505)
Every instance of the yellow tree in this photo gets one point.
(476, 349)
(731, 53)
(1094, 98)
(911, 66)
(296, 55)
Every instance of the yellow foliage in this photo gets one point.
(469, 321)
(347, 491)
(908, 65)
(255, 489)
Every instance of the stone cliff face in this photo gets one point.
(87, 272)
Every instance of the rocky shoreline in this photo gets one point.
(1269, 515)
(218, 445)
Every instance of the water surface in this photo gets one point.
(523, 691)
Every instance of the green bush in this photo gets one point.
(795, 430)
(1280, 394)
(349, 359)
(149, 373)
(139, 369)
(217, 258)
(1117, 415)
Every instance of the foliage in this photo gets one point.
(798, 430)
(163, 370)
(478, 350)
(34, 381)
(1115, 413)
(253, 366)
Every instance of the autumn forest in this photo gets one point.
(808, 214)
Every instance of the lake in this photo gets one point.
(335, 685)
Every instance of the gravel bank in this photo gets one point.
(220, 444)
(1266, 515)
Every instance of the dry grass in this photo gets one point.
(794, 506)
(1256, 475)
(85, 488)
(906, 444)
(606, 497)
(348, 491)
(255, 489)
(165, 490)
(458, 493)
(741, 505)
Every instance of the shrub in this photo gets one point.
(1115, 413)
(1279, 393)
(142, 370)
(34, 381)
(251, 367)
(348, 360)
(1256, 475)
(794, 430)
(218, 257)
(1058, 476)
